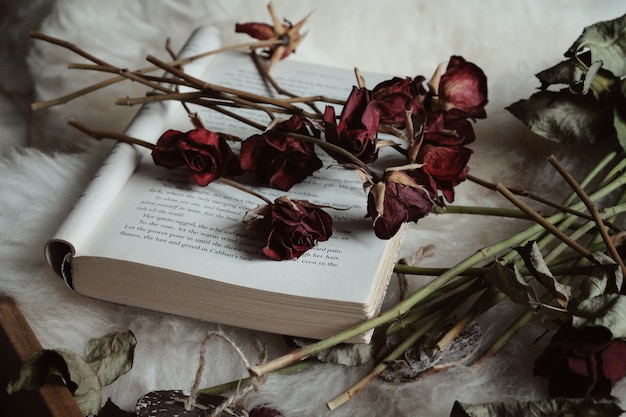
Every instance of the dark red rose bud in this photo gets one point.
(279, 160)
(260, 31)
(462, 89)
(292, 227)
(447, 165)
(397, 96)
(206, 154)
(166, 152)
(446, 132)
(357, 128)
(581, 362)
(395, 200)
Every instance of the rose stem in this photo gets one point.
(593, 209)
(542, 221)
(240, 187)
(81, 52)
(535, 197)
(206, 86)
(101, 134)
(404, 306)
(399, 350)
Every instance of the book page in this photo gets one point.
(148, 124)
(161, 218)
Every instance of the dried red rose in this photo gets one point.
(206, 154)
(440, 130)
(279, 160)
(357, 128)
(447, 165)
(582, 362)
(291, 227)
(461, 90)
(397, 96)
(398, 198)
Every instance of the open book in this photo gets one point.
(144, 236)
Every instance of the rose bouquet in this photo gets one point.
(567, 263)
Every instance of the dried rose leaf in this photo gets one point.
(68, 365)
(556, 407)
(265, 411)
(111, 356)
(533, 259)
(608, 310)
(565, 117)
(40, 366)
(607, 43)
(171, 403)
(512, 284)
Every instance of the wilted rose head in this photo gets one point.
(396, 96)
(279, 160)
(461, 89)
(399, 198)
(286, 35)
(447, 165)
(448, 132)
(291, 227)
(581, 362)
(206, 154)
(358, 126)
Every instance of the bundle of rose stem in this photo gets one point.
(452, 287)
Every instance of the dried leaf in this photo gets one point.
(39, 367)
(512, 284)
(111, 356)
(419, 360)
(88, 393)
(565, 72)
(608, 310)
(171, 403)
(607, 43)
(556, 407)
(565, 117)
(619, 115)
(533, 259)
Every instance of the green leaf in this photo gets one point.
(608, 310)
(556, 407)
(533, 259)
(565, 117)
(111, 356)
(512, 284)
(607, 43)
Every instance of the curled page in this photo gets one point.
(148, 124)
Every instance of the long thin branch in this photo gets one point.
(593, 209)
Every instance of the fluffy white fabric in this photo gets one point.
(45, 165)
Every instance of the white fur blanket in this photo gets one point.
(44, 165)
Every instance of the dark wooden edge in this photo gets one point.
(17, 343)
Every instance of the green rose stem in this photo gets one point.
(396, 353)
(593, 209)
(105, 83)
